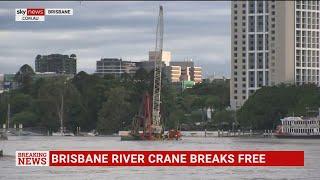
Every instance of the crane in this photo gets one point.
(152, 127)
(156, 99)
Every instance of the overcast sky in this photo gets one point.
(197, 30)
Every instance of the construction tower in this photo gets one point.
(156, 100)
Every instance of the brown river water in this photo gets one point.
(8, 170)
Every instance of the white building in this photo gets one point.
(273, 42)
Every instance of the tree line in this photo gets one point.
(107, 104)
(265, 108)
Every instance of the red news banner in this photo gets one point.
(159, 158)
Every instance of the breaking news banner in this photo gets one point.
(159, 158)
(38, 14)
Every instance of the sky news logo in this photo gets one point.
(38, 14)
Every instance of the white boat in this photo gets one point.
(93, 133)
(298, 127)
(62, 134)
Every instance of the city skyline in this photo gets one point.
(118, 29)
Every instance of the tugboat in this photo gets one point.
(298, 127)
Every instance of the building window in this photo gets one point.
(260, 23)
(251, 23)
(260, 42)
(252, 7)
(251, 42)
(260, 6)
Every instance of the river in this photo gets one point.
(8, 170)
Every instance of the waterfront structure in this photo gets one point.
(165, 57)
(58, 63)
(273, 42)
(179, 71)
(115, 66)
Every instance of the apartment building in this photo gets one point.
(115, 66)
(179, 71)
(58, 63)
(272, 42)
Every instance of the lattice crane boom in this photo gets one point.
(156, 100)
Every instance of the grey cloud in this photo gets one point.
(198, 30)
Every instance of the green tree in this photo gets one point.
(264, 109)
(115, 111)
(224, 119)
(24, 78)
(175, 119)
(27, 118)
(49, 103)
(20, 102)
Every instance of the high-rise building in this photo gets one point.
(165, 57)
(58, 63)
(115, 66)
(1, 83)
(272, 42)
(294, 42)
